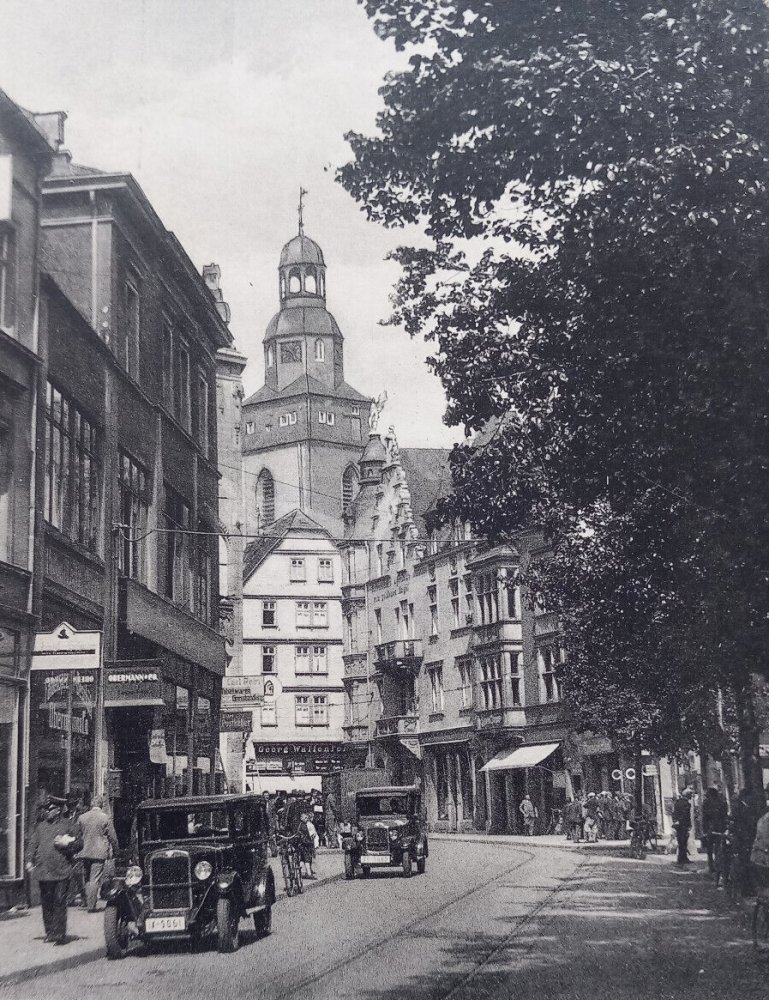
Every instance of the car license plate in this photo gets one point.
(155, 925)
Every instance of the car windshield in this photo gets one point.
(181, 824)
(385, 805)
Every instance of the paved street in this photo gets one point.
(488, 920)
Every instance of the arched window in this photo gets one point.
(349, 486)
(265, 497)
(310, 281)
(270, 356)
(321, 284)
(294, 281)
(269, 689)
(282, 287)
(320, 350)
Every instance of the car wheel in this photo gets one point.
(349, 867)
(366, 869)
(263, 922)
(421, 865)
(227, 926)
(407, 864)
(115, 933)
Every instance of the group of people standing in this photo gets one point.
(598, 816)
(73, 841)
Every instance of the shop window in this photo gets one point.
(441, 785)
(435, 675)
(325, 571)
(177, 524)
(7, 277)
(269, 614)
(516, 678)
(268, 659)
(265, 496)
(134, 493)
(71, 494)
(298, 574)
(491, 682)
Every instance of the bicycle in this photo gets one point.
(643, 837)
(290, 863)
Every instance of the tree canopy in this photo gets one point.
(593, 175)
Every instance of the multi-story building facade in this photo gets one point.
(128, 498)
(303, 431)
(292, 641)
(25, 158)
(450, 671)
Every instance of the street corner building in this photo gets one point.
(450, 671)
(111, 655)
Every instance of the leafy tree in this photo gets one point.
(593, 175)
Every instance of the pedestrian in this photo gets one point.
(591, 813)
(272, 822)
(743, 825)
(573, 820)
(715, 818)
(308, 842)
(55, 841)
(528, 812)
(759, 854)
(319, 816)
(619, 817)
(99, 845)
(333, 838)
(682, 820)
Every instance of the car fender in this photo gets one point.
(228, 884)
(421, 846)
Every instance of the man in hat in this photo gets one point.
(682, 821)
(55, 841)
(99, 844)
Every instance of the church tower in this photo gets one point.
(303, 431)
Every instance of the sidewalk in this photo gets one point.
(24, 954)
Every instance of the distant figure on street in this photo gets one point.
(743, 824)
(682, 822)
(529, 814)
(591, 813)
(99, 844)
(55, 841)
(308, 842)
(715, 818)
(573, 820)
(759, 855)
(332, 822)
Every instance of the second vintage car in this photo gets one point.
(389, 829)
(199, 865)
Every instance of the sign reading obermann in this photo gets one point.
(241, 692)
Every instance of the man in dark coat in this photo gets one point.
(682, 821)
(55, 841)
(715, 818)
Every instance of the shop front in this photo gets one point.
(12, 715)
(450, 783)
(298, 765)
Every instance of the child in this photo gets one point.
(308, 842)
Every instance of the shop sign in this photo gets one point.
(158, 746)
(235, 722)
(288, 749)
(650, 770)
(66, 649)
(132, 685)
(242, 691)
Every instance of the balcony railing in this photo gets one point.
(398, 725)
(403, 654)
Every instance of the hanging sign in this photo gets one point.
(242, 691)
(235, 722)
(133, 684)
(66, 649)
(616, 774)
(158, 746)
(630, 774)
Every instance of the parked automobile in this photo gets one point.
(198, 865)
(389, 829)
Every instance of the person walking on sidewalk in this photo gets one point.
(682, 821)
(99, 844)
(528, 812)
(591, 812)
(715, 817)
(55, 841)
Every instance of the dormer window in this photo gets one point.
(320, 350)
(324, 417)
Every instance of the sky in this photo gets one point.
(222, 109)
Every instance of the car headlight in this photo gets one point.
(395, 833)
(359, 836)
(203, 870)
(134, 875)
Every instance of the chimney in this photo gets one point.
(51, 124)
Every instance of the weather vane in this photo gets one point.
(302, 193)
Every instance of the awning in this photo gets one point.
(529, 756)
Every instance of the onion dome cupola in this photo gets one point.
(302, 271)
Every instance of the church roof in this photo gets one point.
(307, 384)
(257, 551)
(301, 250)
(296, 320)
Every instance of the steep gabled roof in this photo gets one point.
(294, 522)
(307, 384)
(429, 478)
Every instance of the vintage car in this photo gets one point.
(388, 830)
(198, 865)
